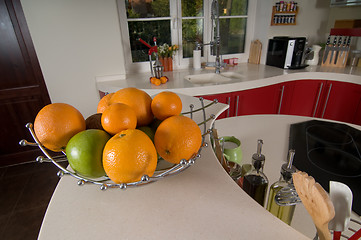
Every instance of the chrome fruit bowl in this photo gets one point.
(196, 111)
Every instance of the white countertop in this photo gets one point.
(253, 75)
(202, 202)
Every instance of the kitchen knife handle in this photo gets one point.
(325, 54)
(344, 41)
(328, 40)
(339, 41)
(335, 41)
(348, 41)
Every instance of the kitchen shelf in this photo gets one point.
(355, 32)
(278, 14)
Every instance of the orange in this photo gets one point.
(152, 79)
(163, 79)
(129, 155)
(138, 100)
(104, 102)
(157, 82)
(177, 138)
(56, 123)
(166, 104)
(118, 117)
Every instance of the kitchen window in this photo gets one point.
(184, 22)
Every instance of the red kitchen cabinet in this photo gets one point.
(301, 97)
(327, 99)
(263, 100)
(341, 102)
(222, 98)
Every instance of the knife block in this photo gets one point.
(329, 56)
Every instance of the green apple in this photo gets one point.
(155, 124)
(149, 131)
(85, 150)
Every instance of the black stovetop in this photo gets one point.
(329, 152)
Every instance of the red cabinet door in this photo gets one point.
(301, 97)
(263, 100)
(222, 98)
(341, 102)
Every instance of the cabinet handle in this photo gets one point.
(318, 99)
(280, 104)
(328, 95)
(229, 104)
(237, 101)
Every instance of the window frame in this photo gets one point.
(176, 24)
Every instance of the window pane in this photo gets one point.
(147, 8)
(233, 35)
(192, 8)
(146, 30)
(192, 32)
(233, 7)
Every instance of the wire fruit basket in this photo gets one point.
(105, 182)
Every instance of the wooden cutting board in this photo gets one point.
(255, 52)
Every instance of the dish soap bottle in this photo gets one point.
(255, 182)
(285, 213)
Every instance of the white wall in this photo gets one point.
(312, 19)
(343, 13)
(75, 40)
(78, 40)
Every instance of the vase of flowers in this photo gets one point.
(166, 53)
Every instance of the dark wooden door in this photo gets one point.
(22, 88)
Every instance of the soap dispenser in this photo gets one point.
(285, 213)
(197, 56)
(255, 182)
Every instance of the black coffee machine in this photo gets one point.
(286, 52)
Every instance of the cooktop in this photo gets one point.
(329, 151)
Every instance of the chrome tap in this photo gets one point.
(217, 37)
(216, 42)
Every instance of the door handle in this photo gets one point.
(237, 101)
(328, 95)
(281, 99)
(318, 100)
(229, 104)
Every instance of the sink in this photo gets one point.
(212, 77)
(207, 78)
(232, 75)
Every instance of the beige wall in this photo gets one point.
(311, 22)
(314, 21)
(78, 40)
(342, 13)
(75, 40)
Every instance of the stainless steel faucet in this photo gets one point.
(216, 42)
(217, 37)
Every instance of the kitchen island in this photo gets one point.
(202, 202)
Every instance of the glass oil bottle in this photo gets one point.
(255, 182)
(285, 213)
